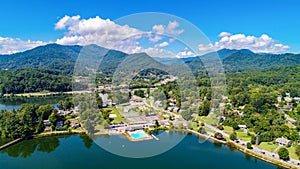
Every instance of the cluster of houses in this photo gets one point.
(60, 123)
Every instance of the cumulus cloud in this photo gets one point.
(102, 32)
(205, 47)
(170, 29)
(163, 44)
(13, 45)
(109, 34)
(185, 53)
(156, 52)
(223, 34)
(261, 44)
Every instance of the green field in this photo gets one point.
(292, 151)
(119, 118)
(268, 146)
(243, 136)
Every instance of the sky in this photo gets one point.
(261, 26)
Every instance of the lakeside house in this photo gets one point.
(74, 125)
(59, 124)
(288, 107)
(46, 123)
(106, 100)
(288, 99)
(297, 99)
(244, 127)
(283, 141)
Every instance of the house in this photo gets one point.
(288, 107)
(293, 121)
(242, 126)
(297, 99)
(158, 103)
(224, 97)
(170, 108)
(283, 141)
(74, 125)
(65, 113)
(288, 99)
(46, 123)
(105, 99)
(279, 98)
(176, 109)
(59, 124)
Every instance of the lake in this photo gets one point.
(80, 152)
(15, 102)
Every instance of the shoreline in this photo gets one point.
(247, 151)
(230, 144)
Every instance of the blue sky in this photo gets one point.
(279, 20)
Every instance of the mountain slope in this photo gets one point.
(251, 62)
(52, 56)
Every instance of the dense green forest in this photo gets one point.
(26, 122)
(33, 80)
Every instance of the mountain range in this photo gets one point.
(62, 59)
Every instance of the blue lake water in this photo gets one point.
(14, 103)
(80, 152)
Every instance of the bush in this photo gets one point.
(233, 136)
(220, 127)
(283, 153)
(249, 145)
(219, 136)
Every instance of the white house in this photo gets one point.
(283, 141)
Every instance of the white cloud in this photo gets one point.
(163, 44)
(170, 29)
(222, 34)
(262, 44)
(156, 52)
(66, 21)
(102, 32)
(13, 45)
(109, 34)
(185, 53)
(205, 48)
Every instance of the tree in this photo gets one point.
(204, 108)
(44, 111)
(186, 114)
(283, 153)
(139, 93)
(235, 125)
(53, 118)
(219, 136)
(249, 145)
(294, 136)
(233, 136)
(99, 101)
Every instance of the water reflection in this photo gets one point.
(26, 148)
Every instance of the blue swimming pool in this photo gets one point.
(139, 135)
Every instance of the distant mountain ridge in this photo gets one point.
(63, 58)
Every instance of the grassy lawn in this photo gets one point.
(243, 136)
(292, 151)
(268, 146)
(228, 129)
(208, 119)
(119, 118)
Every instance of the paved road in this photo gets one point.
(255, 148)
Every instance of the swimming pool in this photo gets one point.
(139, 135)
